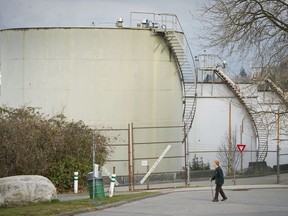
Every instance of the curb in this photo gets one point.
(108, 205)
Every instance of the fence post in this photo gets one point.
(131, 157)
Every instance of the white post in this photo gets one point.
(112, 185)
(110, 175)
(95, 170)
(75, 182)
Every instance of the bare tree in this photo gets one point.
(255, 28)
(229, 155)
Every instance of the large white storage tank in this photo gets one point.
(107, 77)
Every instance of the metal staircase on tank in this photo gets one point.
(187, 73)
(254, 110)
(276, 88)
(168, 26)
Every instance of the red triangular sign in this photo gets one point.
(241, 147)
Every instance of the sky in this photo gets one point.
(81, 13)
(39, 13)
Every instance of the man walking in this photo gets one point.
(219, 181)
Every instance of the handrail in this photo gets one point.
(160, 22)
(165, 21)
(169, 25)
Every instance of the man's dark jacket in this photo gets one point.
(218, 176)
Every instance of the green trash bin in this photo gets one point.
(98, 187)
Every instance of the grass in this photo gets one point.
(56, 207)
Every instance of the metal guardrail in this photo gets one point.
(164, 21)
(208, 62)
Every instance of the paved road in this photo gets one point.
(264, 180)
(242, 201)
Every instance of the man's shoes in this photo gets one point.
(224, 199)
(215, 200)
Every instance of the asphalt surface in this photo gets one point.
(250, 196)
(252, 202)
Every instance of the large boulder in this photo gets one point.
(23, 189)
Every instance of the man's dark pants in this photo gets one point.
(219, 190)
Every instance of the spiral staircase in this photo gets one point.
(255, 112)
(168, 27)
(212, 63)
(186, 70)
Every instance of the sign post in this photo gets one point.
(241, 148)
(145, 163)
